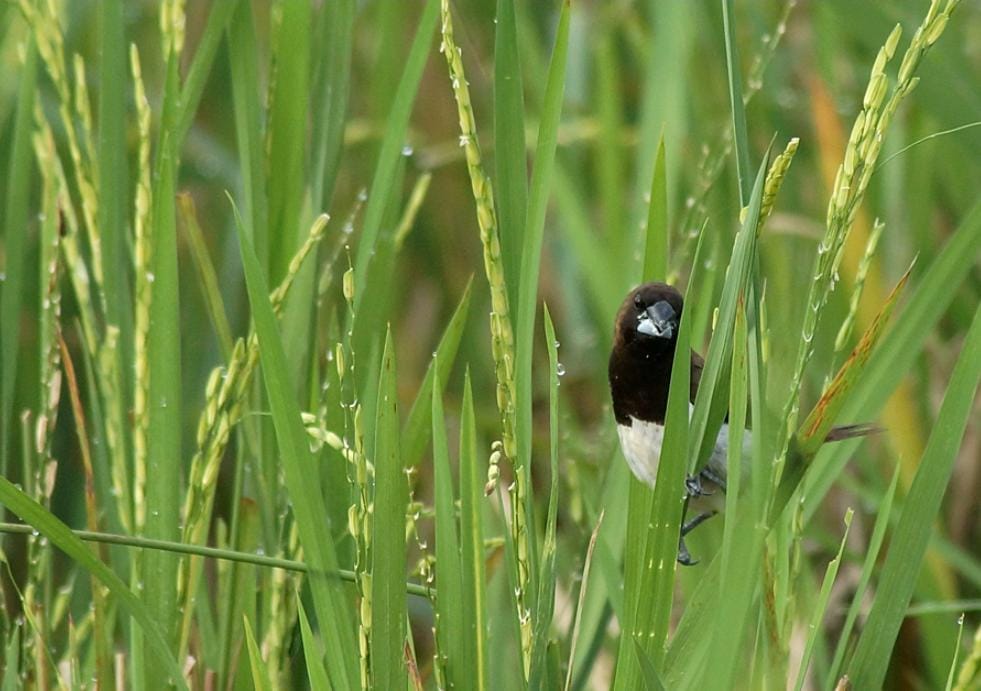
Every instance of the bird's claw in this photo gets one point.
(684, 556)
(693, 487)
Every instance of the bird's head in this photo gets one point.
(648, 319)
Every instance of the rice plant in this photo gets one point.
(257, 431)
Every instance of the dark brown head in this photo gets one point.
(644, 338)
(648, 319)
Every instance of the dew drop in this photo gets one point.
(407, 150)
(560, 369)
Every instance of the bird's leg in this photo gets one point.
(713, 477)
(684, 556)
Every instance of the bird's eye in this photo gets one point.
(638, 302)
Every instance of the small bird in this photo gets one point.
(644, 339)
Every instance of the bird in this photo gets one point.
(644, 339)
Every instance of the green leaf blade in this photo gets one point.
(472, 547)
(388, 560)
(450, 627)
(909, 542)
(333, 611)
(510, 168)
(414, 432)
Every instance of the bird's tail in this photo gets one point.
(849, 431)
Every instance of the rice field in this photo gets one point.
(305, 314)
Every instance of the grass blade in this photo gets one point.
(908, 544)
(650, 563)
(821, 606)
(207, 276)
(821, 419)
(899, 348)
(388, 539)
(531, 254)
(286, 136)
(113, 183)
(740, 551)
(390, 154)
(710, 405)
(580, 605)
(244, 71)
(740, 135)
(164, 402)
(336, 32)
(200, 69)
(330, 604)
(883, 513)
(15, 220)
(539, 676)
(510, 168)
(414, 432)
(656, 254)
(62, 537)
(260, 673)
(449, 572)
(472, 547)
(652, 682)
(313, 651)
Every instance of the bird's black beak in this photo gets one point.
(658, 320)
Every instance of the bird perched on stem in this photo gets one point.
(644, 339)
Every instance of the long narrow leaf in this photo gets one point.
(900, 347)
(821, 606)
(531, 254)
(546, 580)
(909, 543)
(330, 604)
(286, 136)
(656, 254)
(390, 154)
(197, 74)
(736, 103)
(708, 413)
(883, 515)
(650, 564)
(62, 537)
(163, 502)
(260, 672)
(510, 169)
(313, 651)
(415, 430)
(333, 86)
(388, 539)
(819, 422)
(740, 547)
(472, 547)
(449, 572)
(15, 220)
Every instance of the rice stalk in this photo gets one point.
(502, 337)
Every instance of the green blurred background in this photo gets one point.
(636, 70)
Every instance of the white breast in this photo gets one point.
(641, 444)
